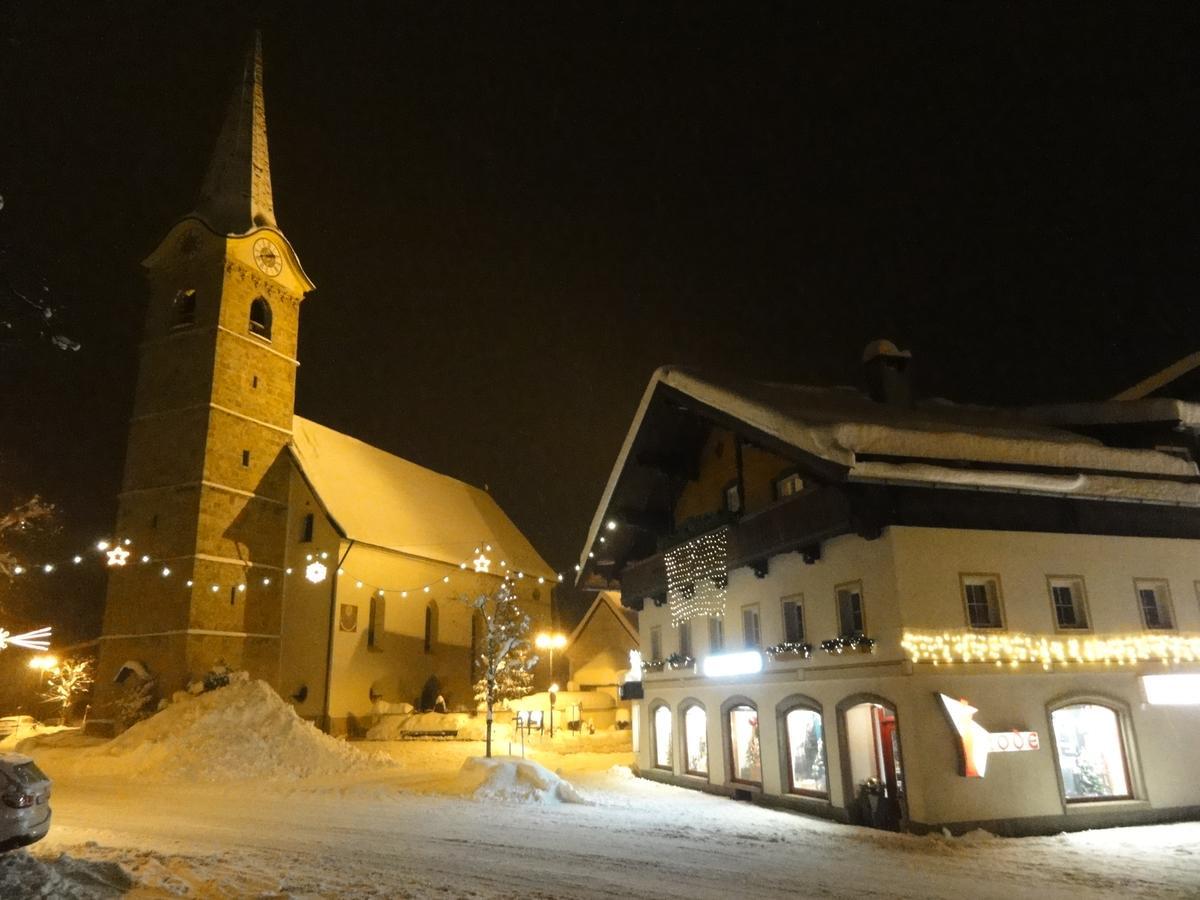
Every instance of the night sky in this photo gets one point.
(514, 213)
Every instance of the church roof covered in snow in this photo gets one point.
(383, 500)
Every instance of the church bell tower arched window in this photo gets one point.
(260, 318)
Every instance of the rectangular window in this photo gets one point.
(733, 499)
(751, 637)
(685, 638)
(793, 619)
(1154, 599)
(656, 643)
(716, 635)
(1067, 599)
(306, 529)
(788, 486)
(245, 458)
(375, 624)
(981, 594)
(850, 609)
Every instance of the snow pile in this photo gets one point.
(243, 730)
(394, 726)
(26, 730)
(24, 875)
(511, 779)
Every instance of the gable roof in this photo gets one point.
(376, 498)
(935, 443)
(604, 599)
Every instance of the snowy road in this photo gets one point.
(390, 834)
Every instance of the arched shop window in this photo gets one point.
(805, 735)
(1091, 753)
(695, 740)
(662, 737)
(744, 746)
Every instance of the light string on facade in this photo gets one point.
(120, 554)
(949, 647)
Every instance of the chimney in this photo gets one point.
(888, 371)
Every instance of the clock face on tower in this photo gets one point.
(268, 257)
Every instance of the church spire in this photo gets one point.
(236, 195)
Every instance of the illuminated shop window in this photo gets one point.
(662, 737)
(695, 740)
(1070, 610)
(981, 595)
(1091, 753)
(1154, 599)
(806, 752)
(744, 744)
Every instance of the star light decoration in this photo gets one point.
(316, 572)
(481, 563)
(117, 556)
(1014, 649)
(39, 639)
(697, 575)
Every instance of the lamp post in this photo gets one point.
(553, 697)
(550, 640)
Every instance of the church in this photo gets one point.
(251, 538)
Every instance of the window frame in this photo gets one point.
(964, 580)
(862, 607)
(264, 329)
(183, 310)
(685, 639)
(685, 767)
(654, 763)
(785, 707)
(716, 625)
(757, 611)
(737, 492)
(798, 601)
(785, 476)
(376, 612)
(1173, 625)
(727, 710)
(1081, 604)
(307, 528)
(1129, 755)
(655, 637)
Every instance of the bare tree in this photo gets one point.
(68, 681)
(506, 662)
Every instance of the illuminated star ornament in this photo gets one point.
(315, 572)
(481, 563)
(30, 640)
(117, 556)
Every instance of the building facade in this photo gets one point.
(911, 615)
(232, 506)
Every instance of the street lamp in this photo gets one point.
(550, 640)
(553, 697)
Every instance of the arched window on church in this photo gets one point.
(183, 310)
(431, 625)
(260, 318)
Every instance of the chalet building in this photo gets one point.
(911, 615)
(250, 537)
(598, 650)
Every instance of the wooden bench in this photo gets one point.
(434, 733)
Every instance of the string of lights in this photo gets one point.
(120, 554)
(1014, 649)
(696, 576)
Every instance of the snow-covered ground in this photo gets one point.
(425, 825)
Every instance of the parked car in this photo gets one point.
(24, 801)
(11, 724)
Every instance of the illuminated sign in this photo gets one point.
(1172, 690)
(725, 664)
(976, 742)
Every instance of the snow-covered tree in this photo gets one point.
(68, 681)
(505, 658)
(13, 523)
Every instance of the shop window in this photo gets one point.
(850, 609)
(1091, 753)
(662, 738)
(685, 638)
(716, 635)
(981, 595)
(183, 310)
(656, 643)
(1067, 599)
(695, 740)
(1154, 600)
(751, 636)
(260, 318)
(806, 752)
(744, 747)
(788, 486)
(375, 624)
(306, 529)
(793, 619)
(431, 625)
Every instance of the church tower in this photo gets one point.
(205, 489)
